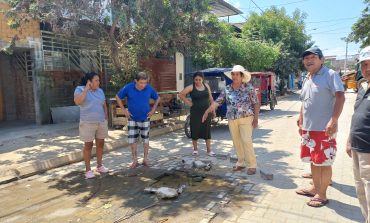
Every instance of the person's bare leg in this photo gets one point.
(195, 145)
(316, 179)
(146, 152)
(87, 154)
(133, 155)
(208, 145)
(325, 178)
(99, 151)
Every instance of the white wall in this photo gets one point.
(180, 71)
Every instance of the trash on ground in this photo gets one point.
(181, 189)
(266, 176)
(163, 192)
(190, 163)
(199, 164)
(107, 206)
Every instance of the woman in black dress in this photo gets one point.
(201, 98)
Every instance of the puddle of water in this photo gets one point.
(208, 184)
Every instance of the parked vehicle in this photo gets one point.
(264, 83)
(351, 81)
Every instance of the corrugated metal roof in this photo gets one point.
(221, 9)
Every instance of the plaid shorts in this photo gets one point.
(317, 148)
(138, 128)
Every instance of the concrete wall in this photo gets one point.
(8, 85)
(28, 37)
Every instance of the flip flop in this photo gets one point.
(238, 168)
(146, 164)
(319, 202)
(251, 171)
(211, 154)
(133, 165)
(304, 192)
(195, 153)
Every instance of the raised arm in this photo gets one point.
(80, 98)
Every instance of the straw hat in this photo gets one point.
(364, 54)
(239, 68)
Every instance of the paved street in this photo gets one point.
(63, 195)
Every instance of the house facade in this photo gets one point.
(39, 69)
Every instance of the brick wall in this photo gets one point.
(30, 30)
(63, 85)
(24, 100)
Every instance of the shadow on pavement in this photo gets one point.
(269, 161)
(345, 189)
(346, 210)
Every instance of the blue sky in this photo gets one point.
(327, 20)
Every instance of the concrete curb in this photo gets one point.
(36, 167)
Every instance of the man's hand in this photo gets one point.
(299, 124)
(151, 112)
(127, 113)
(331, 127)
(349, 147)
(255, 122)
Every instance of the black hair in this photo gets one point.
(141, 76)
(88, 76)
(198, 74)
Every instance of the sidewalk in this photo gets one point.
(57, 193)
(31, 149)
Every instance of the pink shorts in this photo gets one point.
(317, 148)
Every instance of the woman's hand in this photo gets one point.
(255, 123)
(206, 113)
(88, 85)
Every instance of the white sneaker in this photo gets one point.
(102, 169)
(89, 174)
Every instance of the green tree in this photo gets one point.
(277, 27)
(223, 49)
(129, 28)
(361, 29)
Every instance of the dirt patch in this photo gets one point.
(119, 195)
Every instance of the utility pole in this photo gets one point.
(345, 61)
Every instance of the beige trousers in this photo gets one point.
(361, 172)
(241, 132)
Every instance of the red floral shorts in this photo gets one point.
(317, 148)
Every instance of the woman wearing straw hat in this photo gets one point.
(242, 114)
